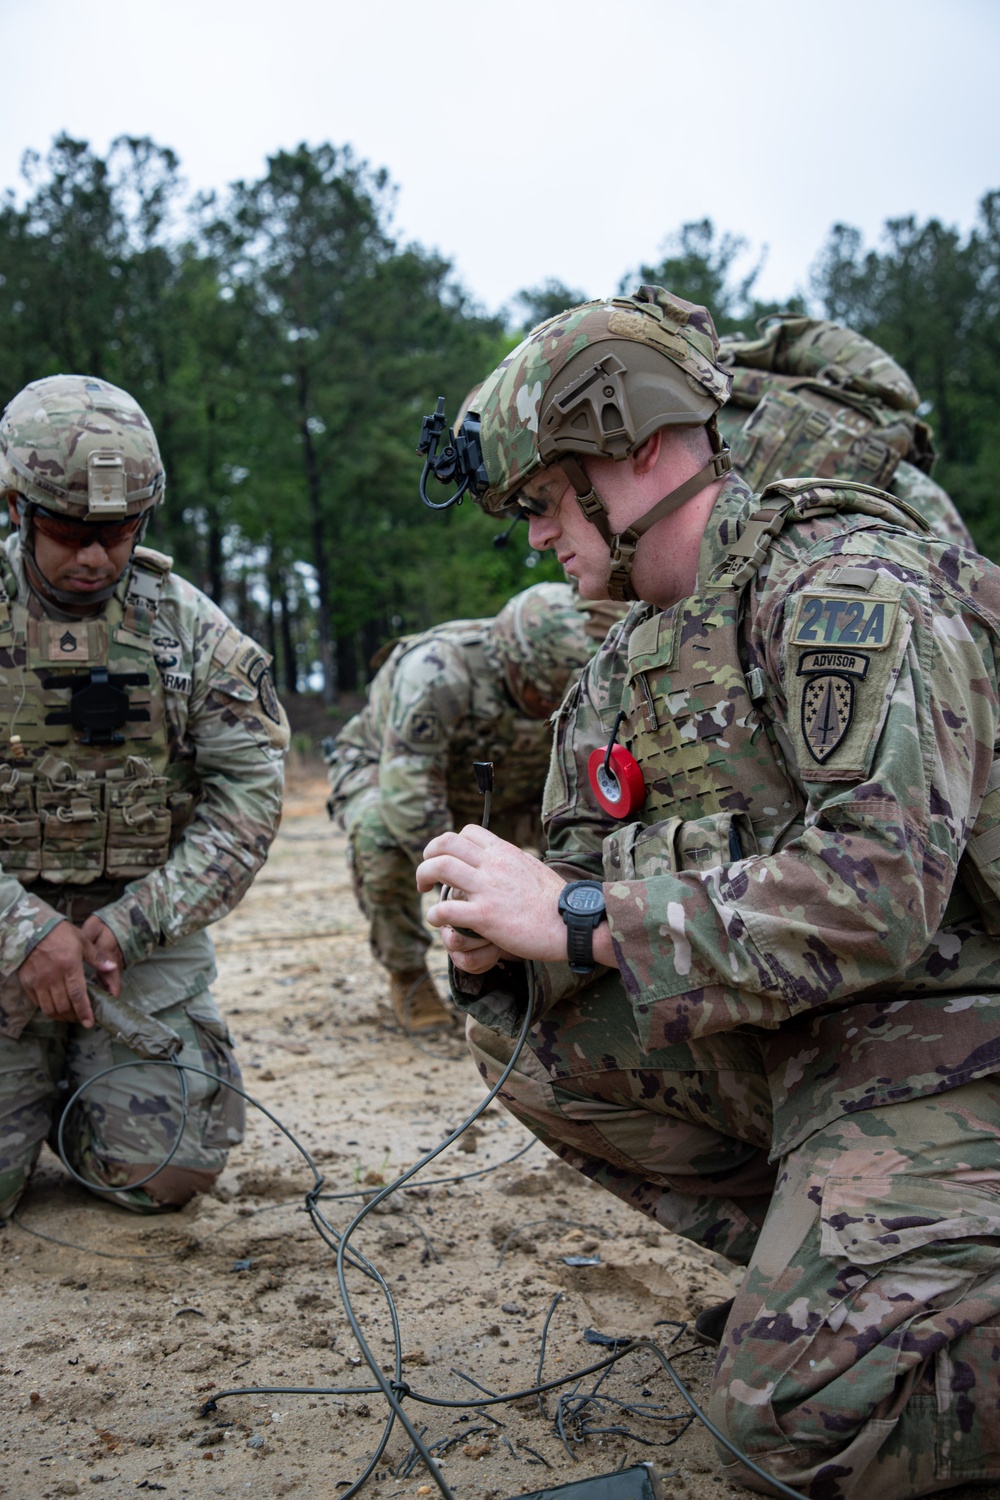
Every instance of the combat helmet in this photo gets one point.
(81, 448)
(539, 641)
(596, 380)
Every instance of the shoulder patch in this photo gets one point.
(268, 697)
(843, 656)
(827, 712)
(160, 562)
(423, 727)
(831, 618)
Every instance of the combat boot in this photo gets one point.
(710, 1325)
(416, 1003)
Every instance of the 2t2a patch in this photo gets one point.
(838, 694)
(844, 620)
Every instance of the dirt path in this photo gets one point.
(115, 1330)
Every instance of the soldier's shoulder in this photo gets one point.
(194, 616)
(453, 650)
(635, 634)
(811, 491)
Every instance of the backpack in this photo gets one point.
(811, 398)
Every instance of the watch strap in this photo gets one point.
(580, 943)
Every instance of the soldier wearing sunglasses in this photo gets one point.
(141, 747)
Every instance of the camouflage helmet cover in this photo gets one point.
(80, 447)
(540, 640)
(598, 379)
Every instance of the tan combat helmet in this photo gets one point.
(597, 380)
(540, 642)
(80, 447)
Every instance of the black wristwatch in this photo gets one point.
(581, 906)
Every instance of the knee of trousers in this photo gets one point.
(12, 1185)
(169, 1188)
(491, 1052)
(126, 1123)
(749, 1425)
(383, 877)
(30, 1068)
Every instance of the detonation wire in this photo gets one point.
(397, 1389)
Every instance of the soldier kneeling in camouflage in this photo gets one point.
(765, 942)
(141, 749)
(401, 770)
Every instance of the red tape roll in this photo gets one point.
(620, 789)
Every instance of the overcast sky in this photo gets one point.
(538, 138)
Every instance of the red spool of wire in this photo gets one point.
(616, 781)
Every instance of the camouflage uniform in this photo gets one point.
(795, 1065)
(158, 829)
(401, 770)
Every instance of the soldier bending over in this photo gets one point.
(765, 940)
(401, 770)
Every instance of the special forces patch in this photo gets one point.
(268, 697)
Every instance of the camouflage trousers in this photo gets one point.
(385, 885)
(384, 878)
(126, 1122)
(862, 1355)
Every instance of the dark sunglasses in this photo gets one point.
(81, 534)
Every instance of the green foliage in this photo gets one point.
(535, 304)
(930, 297)
(286, 346)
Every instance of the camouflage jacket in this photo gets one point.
(224, 721)
(437, 704)
(848, 946)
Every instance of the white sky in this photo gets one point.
(537, 138)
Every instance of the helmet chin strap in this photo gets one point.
(623, 545)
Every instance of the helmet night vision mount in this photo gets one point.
(460, 462)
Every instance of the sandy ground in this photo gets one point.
(116, 1331)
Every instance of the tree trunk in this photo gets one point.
(347, 664)
(289, 655)
(328, 660)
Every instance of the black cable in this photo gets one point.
(388, 1391)
(397, 1390)
(99, 1187)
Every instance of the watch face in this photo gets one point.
(586, 898)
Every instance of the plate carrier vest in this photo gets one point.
(717, 785)
(87, 789)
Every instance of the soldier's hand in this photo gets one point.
(53, 978)
(473, 954)
(511, 899)
(104, 955)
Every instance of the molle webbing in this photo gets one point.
(788, 501)
(86, 790)
(717, 787)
